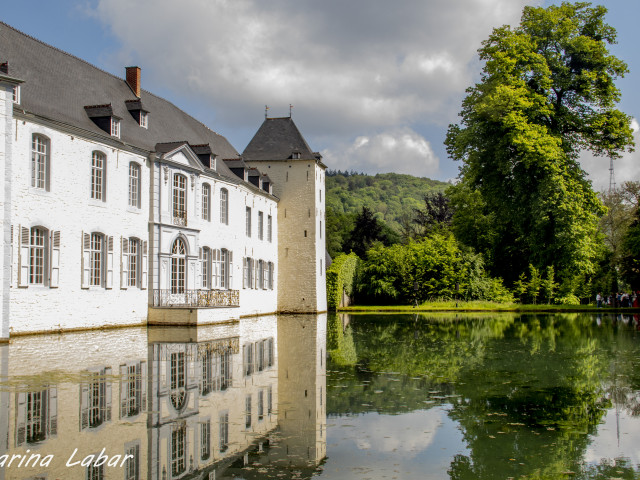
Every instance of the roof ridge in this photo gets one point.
(4, 24)
(60, 51)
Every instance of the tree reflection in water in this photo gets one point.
(527, 391)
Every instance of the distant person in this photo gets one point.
(599, 300)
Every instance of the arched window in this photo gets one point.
(40, 159)
(178, 266)
(206, 201)
(98, 175)
(224, 206)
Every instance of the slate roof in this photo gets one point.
(58, 86)
(278, 139)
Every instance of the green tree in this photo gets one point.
(631, 255)
(436, 214)
(547, 92)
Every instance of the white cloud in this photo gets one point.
(348, 67)
(399, 150)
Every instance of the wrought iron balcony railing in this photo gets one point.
(180, 218)
(196, 298)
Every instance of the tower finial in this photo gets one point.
(290, 108)
(266, 111)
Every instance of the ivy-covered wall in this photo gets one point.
(341, 275)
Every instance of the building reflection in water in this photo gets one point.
(243, 399)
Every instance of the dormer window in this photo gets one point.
(144, 119)
(16, 94)
(115, 127)
(137, 111)
(295, 155)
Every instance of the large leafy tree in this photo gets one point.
(547, 92)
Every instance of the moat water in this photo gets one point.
(478, 396)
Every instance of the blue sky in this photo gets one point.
(373, 83)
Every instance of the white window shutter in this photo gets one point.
(199, 269)
(53, 410)
(124, 263)
(21, 418)
(143, 386)
(245, 272)
(108, 381)
(145, 265)
(215, 266)
(84, 406)
(109, 279)
(230, 286)
(54, 260)
(23, 277)
(124, 377)
(86, 259)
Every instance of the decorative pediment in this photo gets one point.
(179, 153)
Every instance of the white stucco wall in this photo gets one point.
(68, 208)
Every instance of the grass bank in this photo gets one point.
(481, 306)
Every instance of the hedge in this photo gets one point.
(341, 275)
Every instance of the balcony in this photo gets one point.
(197, 298)
(180, 218)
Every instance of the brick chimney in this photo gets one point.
(133, 79)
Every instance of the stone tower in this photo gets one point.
(280, 151)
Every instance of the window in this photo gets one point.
(179, 200)
(260, 226)
(94, 471)
(320, 228)
(97, 260)
(226, 269)
(40, 162)
(206, 202)
(248, 222)
(270, 276)
(95, 399)
(224, 206)
(36, 415)
(115, 127)
(269, 228)
(178, 374)
(16, 94)
(269, 400)
(205, 260)
(216, 267)
(260, 275)
(133, 389)
(247, 416)
(247, 354)
(224, 431)
(134, 263)
(97, 257)
(98, 175)
(260, 404)
(178, 450)
(37, 240)
(134, 185)
(178, 266)
(144, 119)
(132, 465)
(205, 440)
